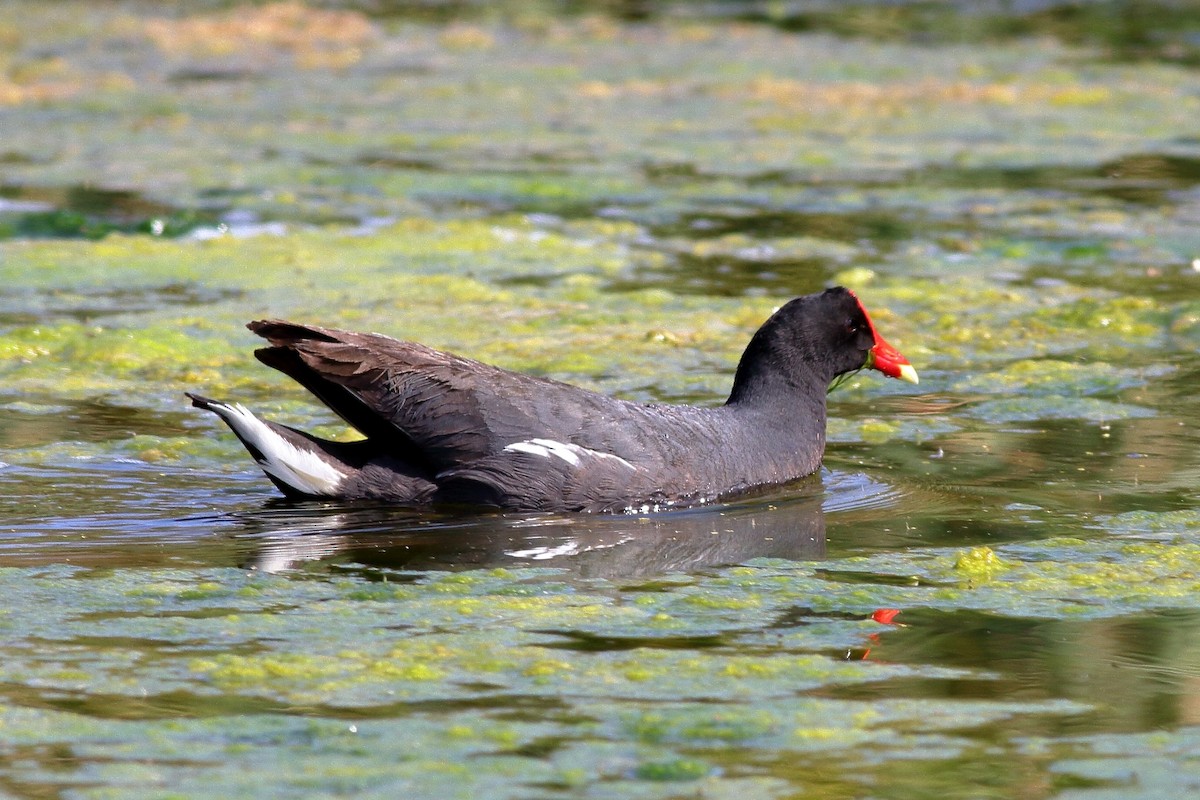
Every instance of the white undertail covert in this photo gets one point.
(303, 470)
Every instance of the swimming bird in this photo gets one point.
(446, 430)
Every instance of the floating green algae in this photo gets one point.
(702, 102)
(1167, 525)
(189, 349)
(1086, 408)
(548, 326)
(429, 668)
(257, 634)
(979, 564)
(1052, 377)
(1158, 764)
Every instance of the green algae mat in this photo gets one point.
(991, 591)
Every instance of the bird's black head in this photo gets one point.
(809, 342)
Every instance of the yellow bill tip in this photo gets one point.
(907, 373)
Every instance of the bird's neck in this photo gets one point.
(783, 421)
(764, 387)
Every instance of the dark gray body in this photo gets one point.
(445, 429)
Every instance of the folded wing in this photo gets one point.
(432, 409)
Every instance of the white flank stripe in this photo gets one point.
(300, 469)
(573, 454)
(545, 448)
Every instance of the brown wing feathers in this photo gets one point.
(420, 401)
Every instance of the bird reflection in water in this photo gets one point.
(790, 526)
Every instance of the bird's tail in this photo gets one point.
(294, 462)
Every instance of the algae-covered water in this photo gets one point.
(614, 195)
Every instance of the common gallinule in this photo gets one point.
(448, 430)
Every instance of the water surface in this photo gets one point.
(618, 202)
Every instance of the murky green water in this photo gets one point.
(617, 203)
